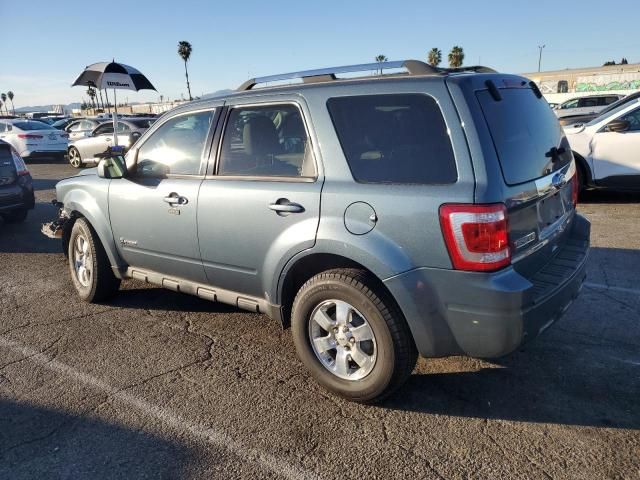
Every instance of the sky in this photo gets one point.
(47, 44)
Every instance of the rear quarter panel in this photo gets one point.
(407, 233)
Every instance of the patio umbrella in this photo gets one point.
(105, 75)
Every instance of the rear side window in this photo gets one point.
(394, 139)
(528, 138)
(7, 169)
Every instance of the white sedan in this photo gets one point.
(34, 139)
(607, 149)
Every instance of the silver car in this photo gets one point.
(82, 127)
(87, 150)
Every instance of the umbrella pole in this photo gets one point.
(115, 118)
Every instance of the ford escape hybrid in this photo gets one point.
(424, 211)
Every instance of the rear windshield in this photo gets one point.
(7, 169)
(394, 138)
(33, 125)
(526, 133)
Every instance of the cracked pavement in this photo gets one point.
(160, 385)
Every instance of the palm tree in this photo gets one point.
(456, 57)
(184, 50)
(3, 97)
(10, 95)
(381, 59)
(92, 96)
(435, 57)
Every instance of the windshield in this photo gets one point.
(528, 138)
(32, 125)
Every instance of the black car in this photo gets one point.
(16, 188)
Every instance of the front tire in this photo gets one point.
(74, 158)
(89, 265)
(351, 336)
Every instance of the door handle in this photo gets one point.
(108, 139)
(284, 206)
(174, 199)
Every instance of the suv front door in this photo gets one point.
(260, 202)
(153, 209)
(616, 161)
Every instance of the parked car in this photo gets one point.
(83, 151)
(585, 105)
(607, 149)
(34, 139)
(63, 123)
(16, 188)
(431, 213)
(576, 119)
(82, 127)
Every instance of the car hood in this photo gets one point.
(87, 171)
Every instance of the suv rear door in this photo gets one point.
(260, 202)
(523, 160)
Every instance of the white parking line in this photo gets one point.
(201, 432)
(602, 286)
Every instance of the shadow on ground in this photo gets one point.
(603, 197)
(37, 442)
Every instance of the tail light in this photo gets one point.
(575, 188)
(21, 167)
(476, 236)
(29, 135)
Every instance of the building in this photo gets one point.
(560, 85)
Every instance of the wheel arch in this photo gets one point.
(80, 204)
(303, 268)
(584, 167)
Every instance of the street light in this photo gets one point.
(540, 47)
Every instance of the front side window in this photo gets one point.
(400, 138)
(634, 120)
(570, 104)
(123, 127)
(106, 129)
(266, 141)
(588, 102)
(176, 147)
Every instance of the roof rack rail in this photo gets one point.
(472, 68)
(413, 67)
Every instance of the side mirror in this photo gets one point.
(111, 168)
(618, 126)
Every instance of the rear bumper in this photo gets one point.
(42, 154)
(490, 314)
(17, 196)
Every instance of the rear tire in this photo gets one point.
(89, 265)
(16, 216)
(362, 355)
(74, 158)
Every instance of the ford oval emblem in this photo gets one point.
(558, 180)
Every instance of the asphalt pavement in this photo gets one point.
(155, 384)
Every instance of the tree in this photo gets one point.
(380, 59)
(92, 96)
(624, 61)
(10, 95)
(434, 57)
(456, 57)
(609, 63)
(0, 106)
(184, 50)
(3, 97)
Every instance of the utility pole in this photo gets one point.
(540, 47)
